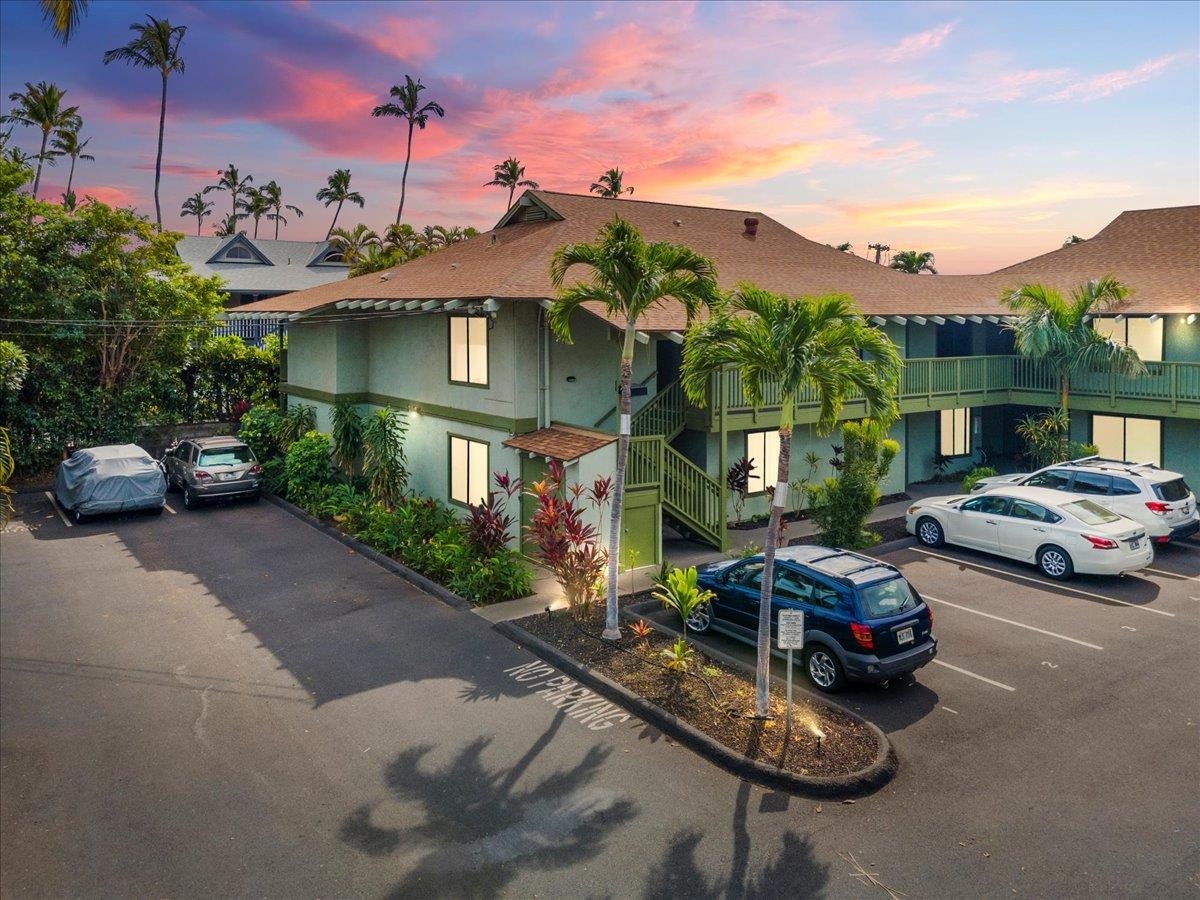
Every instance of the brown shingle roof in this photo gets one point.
(561, 442)
(1156, 251)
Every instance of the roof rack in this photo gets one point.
(1122, 464)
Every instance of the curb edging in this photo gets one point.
(386, 562)
(866, 781)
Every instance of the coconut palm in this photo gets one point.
(231, 180)
(791, 345)
(353, 244)
(67, 143)
(914, 263)
(1073, 239)
(337, 190)
(228, 227)
(1055, 329)
(408, 106)
(510, 174)
(609, 184)
(63, 17)
(275, 205)
(630, 277)
(256, 205)
(41, 106)
(404, 240)
(11, 151)
(845, 248)
(156, 46)
(197, 206)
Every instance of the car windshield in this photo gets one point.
(887, 598)
(226, 456)
(1090, 513)
(1171, 491)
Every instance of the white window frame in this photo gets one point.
(472, 485)
(1123, 453)
(468, 350)
(1109, 327)
(955, 424)
(765, 457)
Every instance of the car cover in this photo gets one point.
(110, 479)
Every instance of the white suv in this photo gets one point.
(1152, 497)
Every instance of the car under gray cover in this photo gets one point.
(110, 479)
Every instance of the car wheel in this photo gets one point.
(78, 516)
(1055, 563)
(700, 619)
(824, 669)
(156, 511)
(189, 499)
(929, 532)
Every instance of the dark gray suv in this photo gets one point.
(208, 468)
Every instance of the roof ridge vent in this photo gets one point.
(751, 224)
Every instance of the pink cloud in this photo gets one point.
(403, 38)
(1110, 82)
(919, 44)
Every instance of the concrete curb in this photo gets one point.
(867, 781)
(416, 578)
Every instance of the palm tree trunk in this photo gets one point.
(1064, 392)
(276, 226)
(37, 179)
(404, 175)
(198, 221)
(512, 189)
(337, 212)
(762, 673)
(256, 228)
(162, 123)
(1064, 398)
(71, 176)
(612, 631)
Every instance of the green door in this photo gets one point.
(641, 532)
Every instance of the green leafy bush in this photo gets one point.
(258, 428)
(275, 476)
(299, 420)
(347, 437)
(383, 459)
(840, 505)
(347, 506)
(974, 475)
(309, 469)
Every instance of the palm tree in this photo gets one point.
(228, 227)
(41, 106)
(609, 184)
(629, 277)
(197, 206)
(274, 196)
(1073, 239)
(914, 263)
(1056, 330)
(155, 47)
(11, 151)
(337, 190)
(256, 205)
(63, 17)
(845, 248)
(796, 345)
(408, 107)
(354, 244)
(510, 174)
(231, 180)
(403, 239)
(67, 143)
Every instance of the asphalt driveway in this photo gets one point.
(229, 702)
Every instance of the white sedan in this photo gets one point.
(1060, 534)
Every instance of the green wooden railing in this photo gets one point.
(663, 414)
(643, 468)
(689, 495)
(1169, 382)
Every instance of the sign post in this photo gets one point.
(790, 636)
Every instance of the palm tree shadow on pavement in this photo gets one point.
(480, 829)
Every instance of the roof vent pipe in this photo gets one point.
(751, 227)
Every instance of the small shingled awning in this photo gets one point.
(561, 442)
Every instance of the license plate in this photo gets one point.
(228, 476)
(1135, 543)
(904, 636)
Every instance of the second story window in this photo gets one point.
(762, 448)
(469, 350)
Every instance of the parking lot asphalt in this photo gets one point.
(228, 702)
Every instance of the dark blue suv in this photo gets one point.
(862, 620)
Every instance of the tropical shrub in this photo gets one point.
(7, 467)
(682, 594)
(974, 475)
(346, 505)
(297, 421)
(840, 505)
(225, 371)
(14, 366)
(274, 476)
(383, 462)
(259, 428)
(488, 523)
(738, 481)
(309, 469)
(1047, 438)
(347, 437)
(679, 657)
(564, 543)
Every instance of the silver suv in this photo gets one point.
(207, 468)
(1153, 497)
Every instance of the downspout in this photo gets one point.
(543, 370)
(722, 462)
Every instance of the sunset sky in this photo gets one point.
(986, 133)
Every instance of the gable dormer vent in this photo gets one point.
(238, 252)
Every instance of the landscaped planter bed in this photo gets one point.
(887, 529)
(848, 748)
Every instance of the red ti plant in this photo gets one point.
(488, 523)
(564, 543)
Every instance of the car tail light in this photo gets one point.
(1101, 543)
(201, 474)
(1163, 539)
(256, 469)
(862, 634)
(1157, 507)
(929, 609)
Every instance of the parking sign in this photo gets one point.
(791, 629)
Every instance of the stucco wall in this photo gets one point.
(594, 362)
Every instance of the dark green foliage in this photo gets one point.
(347, 437)
(974, 475)
(738, 481)
(1048, 439)
(309, 469)
(299, 420)
(384, 464)
(840, 505)
(347, 506)
(258, 428)
(274, 476)
(225, 371)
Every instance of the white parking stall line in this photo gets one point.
(1046, 584)
(1171, 574)
(167, 507)
(55, 507)
(968, 672)
(1061, 637)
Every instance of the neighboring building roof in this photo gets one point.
(1155, 251)
(283, 266)
(561, 442)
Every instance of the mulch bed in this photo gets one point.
(761, 522)
(887, 529)
(847, 747)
